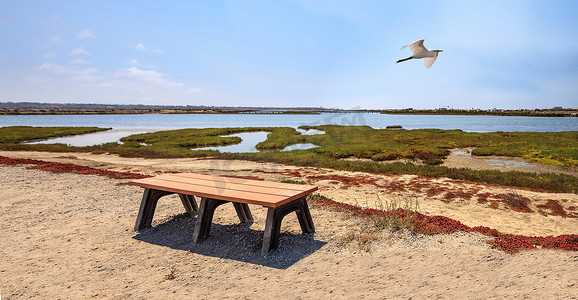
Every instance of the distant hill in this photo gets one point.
(33, 108)
(91, 108)
(95, 106)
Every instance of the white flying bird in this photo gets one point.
(419, 51)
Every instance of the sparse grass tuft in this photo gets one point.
(397, 214)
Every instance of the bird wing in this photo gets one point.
(416, 47)
(429, 61)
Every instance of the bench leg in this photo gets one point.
(149, 203)
(205, 218)
(243, 212)
(275, 216)
(304, 217)
(189, 203)
(147, 208)
(206, 212)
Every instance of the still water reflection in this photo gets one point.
(251, 139)
(247, 145)
(102, 137)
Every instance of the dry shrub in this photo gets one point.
(516, 202)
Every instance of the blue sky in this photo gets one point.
(286, 53)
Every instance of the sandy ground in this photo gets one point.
(70, 236)
(473, 204)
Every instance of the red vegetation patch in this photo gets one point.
(486, 231)
(512, 200)
(438, 225)
(396, 186)
(494, 204)
(516, 202)
(292, 173)
(71, 168)
(347, 180)
(19, 161)
(442, 225)
(243, 177)
(490, 185)
(487, 196)
(511, 244)
(555, 208)
(450, 195)
(521, 209)
(418, 186)
(482, 200)
(515, 243)
(434, 191)
(68, 168)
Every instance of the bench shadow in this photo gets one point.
(235, 242)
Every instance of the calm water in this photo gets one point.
(248, 142)
(124, 125)
(466, 123)
(113, 135)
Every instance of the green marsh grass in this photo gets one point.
(17, 134)
(427, 147)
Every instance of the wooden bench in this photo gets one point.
(280, 199)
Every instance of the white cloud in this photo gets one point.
(48, 55)
(85, 34)
(134, 62)
(78, 51)
(131, 78)
(55, 38)
(194, 90)
(148, 77)
(79, 61)
(143, 48)
(120, 85)
(78, 73)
